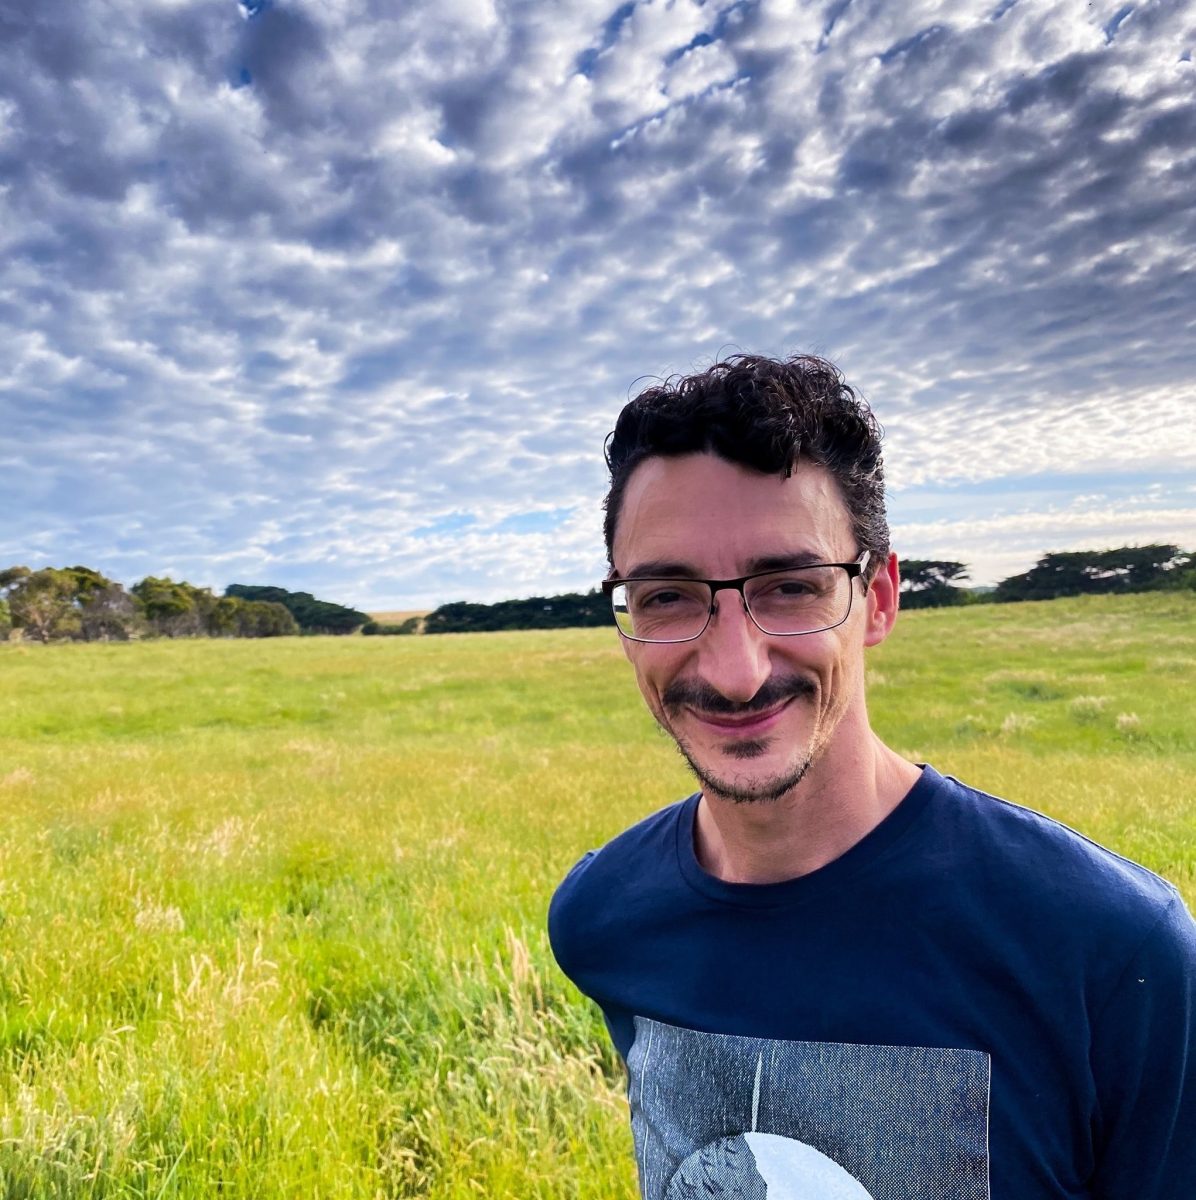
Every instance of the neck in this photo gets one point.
(842, 798)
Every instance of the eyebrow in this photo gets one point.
(663, 568)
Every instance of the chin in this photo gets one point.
(747, 786)
(756, 748)
(737, 768)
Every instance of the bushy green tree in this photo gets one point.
(107, 613)
(42, 603)
(173, 609)
(224, 619)
(1080, 572)
(1182, 579)
(264, 618)
(569, 610)
(180, 609)
(312, 615)
(382, 629)
(68, 602)
(9, 577)
(930, 583)
(79, 602)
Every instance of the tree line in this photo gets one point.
(925, 583)
(567, 611)
(81, 604)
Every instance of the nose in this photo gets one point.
(733, 653)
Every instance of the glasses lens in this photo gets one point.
(803, 600)
(661, 610)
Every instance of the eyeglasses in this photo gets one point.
(780, 603)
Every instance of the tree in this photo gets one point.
(75, 602)
(183, 610)
(312, 615)
(1136, 568)
(381, 629)
(570, 610)
(1082, 572)
(106, 611)
(264, 618)
(1180, 580)
(42, 602)
(225, 618)
(174, 609)
(9, 577)
(930, 583)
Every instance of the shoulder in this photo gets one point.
(639, 860)
(635, 855)
(1041, 865)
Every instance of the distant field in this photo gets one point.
(271, 912)
(398, 616)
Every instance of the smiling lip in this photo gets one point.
(747, 725)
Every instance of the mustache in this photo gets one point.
(698, 694)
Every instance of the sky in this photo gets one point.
(344, 296)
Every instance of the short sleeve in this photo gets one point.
(563, 916)
(1144, 1065)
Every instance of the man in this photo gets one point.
(833, 974)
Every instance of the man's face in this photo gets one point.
(751, 712)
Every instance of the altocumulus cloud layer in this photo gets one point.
(345, 295)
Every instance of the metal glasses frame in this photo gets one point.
(855, 570)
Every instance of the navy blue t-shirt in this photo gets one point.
(972, 1003)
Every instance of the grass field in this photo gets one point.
(271, 912)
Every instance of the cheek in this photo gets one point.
(838, 668)
(653, 670)
(848, 677)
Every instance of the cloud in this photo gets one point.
(1003, 543)
(282, 284)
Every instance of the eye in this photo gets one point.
(792, 586)
(661, 598)
(802, 587)
(665, 594)
(782, 586)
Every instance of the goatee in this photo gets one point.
(745, 792)
(702, 698)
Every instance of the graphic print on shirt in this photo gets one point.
(743, 1118)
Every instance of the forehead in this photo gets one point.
(716, 517)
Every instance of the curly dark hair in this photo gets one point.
(763, 413)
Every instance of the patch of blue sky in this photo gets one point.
(831, 19)
(699, 40)
(1040, 492)
(911, 43)
(1079, 481)
(453, 522)
(1114, 23)
(722, 85)
(707, 37)
(543, 520)
(587, 59)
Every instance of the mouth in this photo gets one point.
(742, 725)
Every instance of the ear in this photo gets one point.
(884, 594)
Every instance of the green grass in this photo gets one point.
(271, 913)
